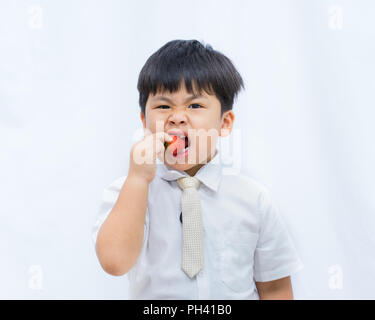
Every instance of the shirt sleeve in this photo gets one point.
(109, 198)
(275, 256)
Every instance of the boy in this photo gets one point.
(178, 226)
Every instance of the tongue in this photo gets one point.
(177, 147)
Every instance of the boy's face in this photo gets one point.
(198, 117)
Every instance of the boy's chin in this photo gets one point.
(180, 166)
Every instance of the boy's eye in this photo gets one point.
(194, 104)
(160, 107)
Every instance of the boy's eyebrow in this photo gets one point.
(192, 97)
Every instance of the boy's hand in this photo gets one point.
(143, 155)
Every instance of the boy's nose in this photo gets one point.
(178, 122)
(177, 118)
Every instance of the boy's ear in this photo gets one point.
(143, 120)
(227, 123)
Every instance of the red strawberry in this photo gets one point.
(167, 144)
(177, 145)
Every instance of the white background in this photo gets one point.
(69, 112)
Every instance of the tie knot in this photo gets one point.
(188, 182)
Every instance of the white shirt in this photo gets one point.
(245, 238)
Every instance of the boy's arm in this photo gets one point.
(280, 289)
(120, 238)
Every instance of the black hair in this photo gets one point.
(191, 61)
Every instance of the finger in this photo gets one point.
(163, 136)
(159, 145)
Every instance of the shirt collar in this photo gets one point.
(209, 174)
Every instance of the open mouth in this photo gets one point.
(187, 145)
(181, 142)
